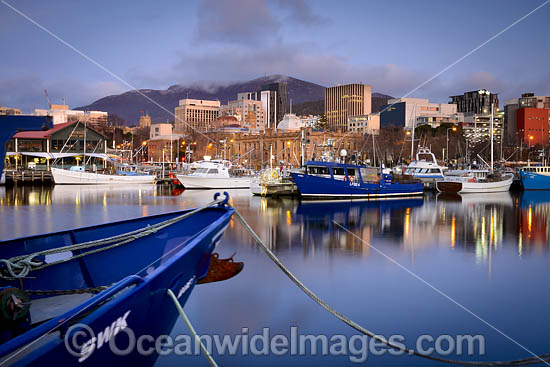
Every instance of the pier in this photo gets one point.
(29, 177)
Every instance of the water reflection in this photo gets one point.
(476, 223)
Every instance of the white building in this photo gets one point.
(162, 129)
(247, 111)
(195, 114)
(366, 124)
(61, 114)
(420, 110)
(290, 122)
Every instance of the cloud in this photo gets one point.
(301, 12)
(239, 21)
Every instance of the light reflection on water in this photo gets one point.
(489, 252)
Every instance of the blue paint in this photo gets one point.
(183, 252)
(534, 181)
(350, 186)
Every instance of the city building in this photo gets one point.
(511, 108)
(37, 148)
(532, 125)
(406, 112)
(477, 127)
(478, 101)
(144, 120)
(365, 124)
(253, 149)
(62, 114)
(310, 121)
(164, 148)
(9, 111)
(195, 114)
(275, 102)
(291, 122)
(344, 101)
(160, 129)
(248, 112)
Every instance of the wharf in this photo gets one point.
(28, 177)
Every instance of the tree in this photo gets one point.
(321, 123)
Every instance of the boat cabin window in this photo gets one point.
(212, 171)
(434, 170)
(318, 170)
(369, 174)
(339, 173)
(201, 170)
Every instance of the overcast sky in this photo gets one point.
(393, 46)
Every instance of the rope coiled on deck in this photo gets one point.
(535, 360)
(20, 266)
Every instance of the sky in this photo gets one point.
(392, 46)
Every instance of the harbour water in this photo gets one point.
(486, 253)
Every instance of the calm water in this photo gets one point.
(488, 252)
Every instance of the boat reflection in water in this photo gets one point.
(534, 221)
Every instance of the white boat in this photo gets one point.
(76, 175)
(468, 182)
(270, 182)
(213, 174)
(3, 178)
(425, 168)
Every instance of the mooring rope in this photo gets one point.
(191, 328)
(543, 358)
(21, 266)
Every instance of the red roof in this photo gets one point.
(42, 134)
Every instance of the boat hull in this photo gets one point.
(464, 187)
(534, 181)
(323, 187)
(205, 183)
(141, 301)
(66, 177)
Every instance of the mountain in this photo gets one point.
(129, 104)
(307, 98)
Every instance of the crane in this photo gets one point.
(48, 98)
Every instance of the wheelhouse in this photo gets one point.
(343, 172)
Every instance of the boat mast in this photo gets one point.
(492, 106)
(84, 145)
(412, 136)
(373, 151)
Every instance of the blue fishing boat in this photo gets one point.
(535, 177)
(127, 267)
(348, 181)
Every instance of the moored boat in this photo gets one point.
(425, 168)
(214, 174)
(348, 181)
(468, 182)
(130, 263)
(76, 175)
(535, 177)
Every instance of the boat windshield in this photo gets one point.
(318, 170)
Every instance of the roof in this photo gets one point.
(45, 134)
(331, 164)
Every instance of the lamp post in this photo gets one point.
(447, 150)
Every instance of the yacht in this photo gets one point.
(213, 174)
(425, 168)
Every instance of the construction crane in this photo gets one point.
(48, 98)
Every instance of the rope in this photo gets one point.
(543, 358)
(191, 328)
(21, 266)
(39, 292)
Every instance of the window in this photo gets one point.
(212, 171)
(320, 171)
(339, 173)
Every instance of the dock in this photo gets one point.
(31, 177)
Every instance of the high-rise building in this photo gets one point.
(276, 102)
(195, 114)
(145, 120)
(344, 101)
(478, 101)
(511, 113)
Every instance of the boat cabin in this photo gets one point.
(343, 172)
(543, 170)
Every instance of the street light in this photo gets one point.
(447, 151)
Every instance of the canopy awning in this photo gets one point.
(59, 155)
